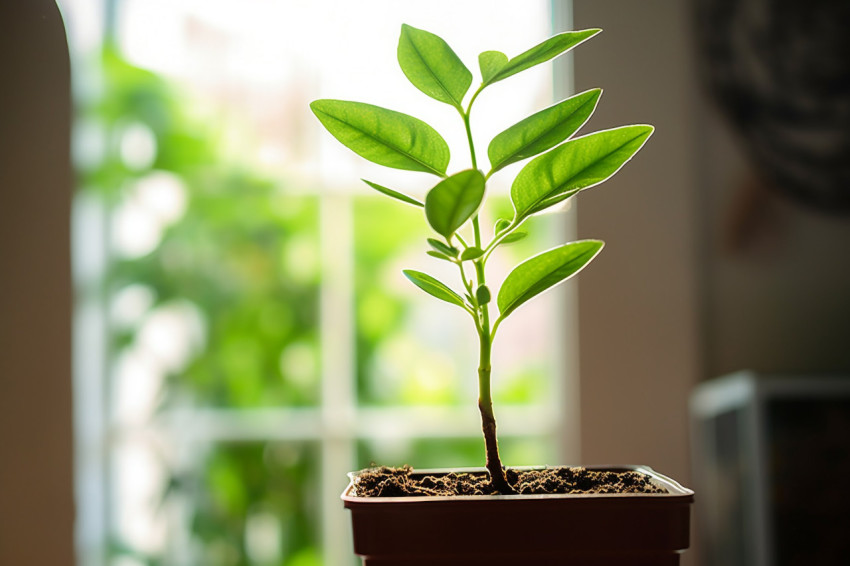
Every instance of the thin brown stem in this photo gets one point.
(491, 445)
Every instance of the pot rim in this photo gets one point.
(674, 489)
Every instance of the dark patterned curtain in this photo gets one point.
(780, 72)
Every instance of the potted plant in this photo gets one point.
(494, 516)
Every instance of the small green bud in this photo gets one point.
(483, 295)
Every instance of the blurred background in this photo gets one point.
(242, 335)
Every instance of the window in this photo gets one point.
(244, 336)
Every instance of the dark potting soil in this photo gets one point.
(404, 482)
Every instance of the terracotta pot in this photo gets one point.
(520, 530)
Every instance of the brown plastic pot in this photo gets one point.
(540, 530)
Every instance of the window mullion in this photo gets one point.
(90, 349)
(338, 409)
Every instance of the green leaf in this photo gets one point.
(542, 52)
(442, 248)
(393, 194)
(385, 137)
(501, 225)
(431, 65)
(454, 200)
(433, 287)
(514, 237)
(543, 271)
(543, 130)
(471, 253)
(482, 295)
(439, 255)
(490, 63)
(578, 164)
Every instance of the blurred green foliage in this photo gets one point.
(257, 503)
(451, 452)
(243, 254)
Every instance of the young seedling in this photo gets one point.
(564, 166)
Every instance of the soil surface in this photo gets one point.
(404, 482)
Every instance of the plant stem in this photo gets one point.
(469, 140)
(485, 341)
(485, 401)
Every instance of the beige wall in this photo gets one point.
(690, 285)
(777, 279)
(638, 303)
(36, 493)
